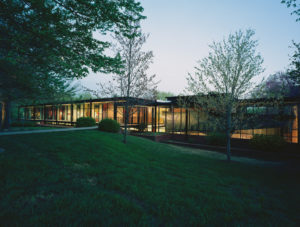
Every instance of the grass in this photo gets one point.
(27, 128)
(92, 178)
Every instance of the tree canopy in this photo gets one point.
(294, 70)
(44, 44)
(224, 77)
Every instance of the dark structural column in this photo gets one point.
(165, 120)
(44, 113)
(155, 118)
(115, 111)
(90, 108)
(72, 109)
(173, 118)
(57, 113)
(138, 117)
(186, 120)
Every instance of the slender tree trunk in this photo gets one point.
(127, 94)
(7, 108)
(228, 129)
(125, 123)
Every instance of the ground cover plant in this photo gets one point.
(92, 178)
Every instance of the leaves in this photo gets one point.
(44, 44)
(293, 4)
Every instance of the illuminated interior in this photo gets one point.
(168, 117)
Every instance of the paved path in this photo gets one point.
(45, 130)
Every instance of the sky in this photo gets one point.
(180, 32)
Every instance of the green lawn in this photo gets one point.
(14, 129)
(91, 178)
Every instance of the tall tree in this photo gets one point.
(294, 70)
(132, 81)
(44, 43)
(224, 77)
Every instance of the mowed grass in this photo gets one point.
(92, 178)
(14, 129)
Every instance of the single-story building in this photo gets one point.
(168, 116)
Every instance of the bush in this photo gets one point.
(268, 142)
(85, 122)
(141, 127)
(109, 125)
(23, 124)
(216, 138)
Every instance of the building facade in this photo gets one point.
(167, 116)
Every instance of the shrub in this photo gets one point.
(23, 124)
(141, 127)
(109, 125)
(85, 122)
(268, 142)
(216, 138)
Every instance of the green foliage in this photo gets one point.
(24, 124)
(109, 125)
(295, 5)
(85, 122)
(162, 95)
(294, 71)
(268, 142)
(223, 77)
(141, 127)
(216, 138)
(46, 44)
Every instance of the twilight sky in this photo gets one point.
(180, 32)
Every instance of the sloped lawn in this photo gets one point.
(92, 178)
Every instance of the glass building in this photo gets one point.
(169, 117)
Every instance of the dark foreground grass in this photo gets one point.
(91, 178)
(14, 129)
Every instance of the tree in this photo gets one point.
(224, 77)
(294, 70)
(45, 43)
(162, 95)
(277, 85)
(133, 81)
(294, 4)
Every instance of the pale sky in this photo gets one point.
(180, 32)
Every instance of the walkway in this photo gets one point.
(46, 130)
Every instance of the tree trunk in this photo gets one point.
(7, 108)
(228, 129)
(125, 123)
